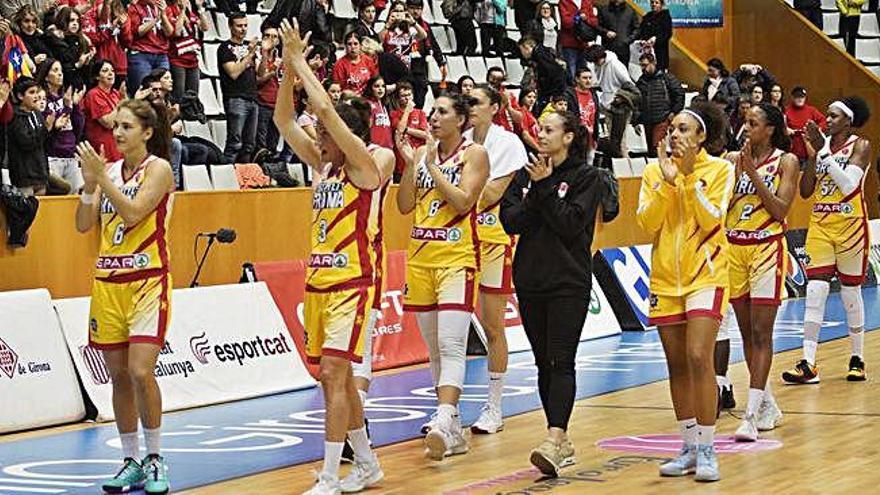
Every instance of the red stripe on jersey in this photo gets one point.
(162, 246)
(711, 235)
(359, 327)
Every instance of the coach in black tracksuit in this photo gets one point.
(551, 204)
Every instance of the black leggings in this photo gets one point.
(849, 29)
(553, 327)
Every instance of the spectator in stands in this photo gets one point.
(777, 97)
(380, 121)
(750, 75)
(70, 47)
(460, 14)
(530, 125)
(314, 17)
(544, 27)
(305, 115)
(509, 115)
(409, 121)
(400, 34)
(424, 47)
(238, 80)
(366, 20)
(268, 77)
(549, 74)
(662, 99)
(756, 95)
(486, 13)
(64, 108)
(718, 81)
(150, 29)
(583, 101)
(655, 32)
(797, 114)
(8, 8)
(617, 100)
(26, 24)
(184, 43)
(111, 34)
(738, 120)
(465, 84)
(618, 23)
(571, 13)
(355, 69)
(27, 134)
(524, 14)
(334, 90)
(391, 68)
(850, 17)
(812, 10)
(99, 110)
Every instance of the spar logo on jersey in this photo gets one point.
(8, 359)
(487, 219)
(452, 234)
(124, 261)
(328, 260)
(200, 347)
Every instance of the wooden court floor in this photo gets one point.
(830, 434)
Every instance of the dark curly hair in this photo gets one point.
(860, 109)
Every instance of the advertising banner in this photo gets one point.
(692, 13)
(224, 343)
(38, 383)
(625, 276)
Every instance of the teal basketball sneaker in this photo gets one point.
(130, 477)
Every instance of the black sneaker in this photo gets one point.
(347, 451)
(727, 399)
(803, 372)
(856, 370)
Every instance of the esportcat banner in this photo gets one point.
(691, 13)
(224, 343)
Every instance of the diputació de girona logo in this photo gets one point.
(8, 359)
(200, 347)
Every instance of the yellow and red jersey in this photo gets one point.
(831, 206)
(345, 225)
(687, 223)
(132, 252)
(748, 221)
(441, 237)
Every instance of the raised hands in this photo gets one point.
(539, 167)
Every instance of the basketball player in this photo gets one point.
(682, 203)
(837, 240)
(130, 201)
(340, 279)
(442, 182)
(766, 183)
(506, 155)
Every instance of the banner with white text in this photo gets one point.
(692, 13)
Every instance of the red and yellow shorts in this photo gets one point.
(672, 310)
(496, 268)
(126, 310)
(840, 248)
(757, 271)
(337, 322)
(440, 289)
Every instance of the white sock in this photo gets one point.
(496, 387)
(131, 445)
(705, 435)
(722, 381)
(446, 411)
(688, 429)
(756, 396)
(811, 341)
(152, 438)
(363, 395)
(857, 341)
(332, 457)
(768, 393)
(360, 444)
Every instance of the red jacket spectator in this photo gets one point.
(186, 41)
(503, 117)
(380, 125)
(417, 120)
(97, 103)
(797, 118)
(153, 41)
(567, 11)
(110, 37)
(353, 76)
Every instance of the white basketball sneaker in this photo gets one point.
(363, 475)
(445, 439)
(490, 421)
(769, 416)
(430, 424)
(325, 485)
(748, 430)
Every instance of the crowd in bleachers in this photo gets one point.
(217, 70)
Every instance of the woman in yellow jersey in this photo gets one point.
(682, 203)
(506, 155)
(837, 240)
(767, 179)
(442, 182)
(130, 201)
(342, 266)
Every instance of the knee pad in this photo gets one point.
(428, 328)
(854, 305)
(817, 294)
(452, 336)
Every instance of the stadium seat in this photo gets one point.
(195, 178)
(211, 34)
(839, 42)
(875, 69)
(868, 51)
(831, 23)
(194, 128)
(434, 75)
(635, 143)
(439, 18)
(515, 71)
(513, 34)
(218, 130)
(456, 68)
(689, 97)
(476, 68)
(868, 27)
(297, 171)
(638, 165)
(209, 98)
(254, 21)
(496, 62)
(223, 177)
(4, 175)
(209, 60)
(427, 14)
(444, 40)
(222, 25)
(429, 101)
(621, 167)
(344, 9)
(219, 92)
(829, 5)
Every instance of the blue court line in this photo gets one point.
(217, 443)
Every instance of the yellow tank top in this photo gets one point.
(442, 237)
(489, 226)
(830, 204)
(345, 223)
(748, 221)
(133, 252)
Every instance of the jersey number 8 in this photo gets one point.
(434, 208)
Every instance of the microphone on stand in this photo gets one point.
(223, 236)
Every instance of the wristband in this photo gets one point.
(87, 199)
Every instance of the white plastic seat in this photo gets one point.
(829, 5)
(218, 130)
(868, 26)
(439, 18)
(224, 179)
(344, 9)
(635, 143)
(496, 62)
(209, 59)
(444, 40)
(875, 69)
(477, 68)
(456, 67)
(621, 167)
(638, 165)
(429, 101)
(515, 70)
(209, 98)
(296, 170)
(194, 128)
(211, 34)
(222, 25)
(434, 74)
(868, 51)
(195, 178)
(4, 177)
(831, 23)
